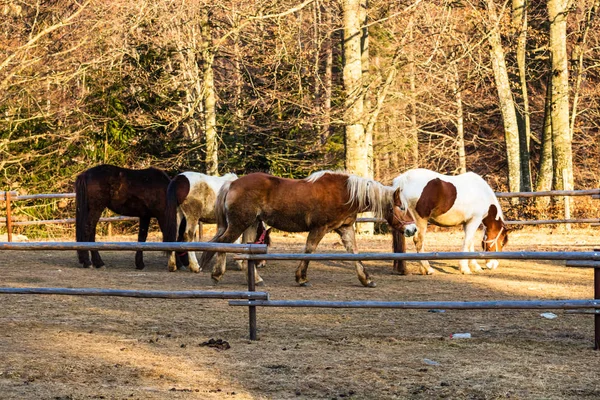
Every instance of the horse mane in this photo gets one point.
(370, 195)
(229, 176)
(319, 174)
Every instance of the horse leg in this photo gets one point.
(94, 218)
(419, 243)
(229, 236)
(250, 236)
(193, 226)
(470, 230)
(348, 237)
(142, 236)
(312, 241)
(174, 261)
(84, 255)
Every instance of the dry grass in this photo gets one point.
(62, 347)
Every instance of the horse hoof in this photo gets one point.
(101, 266)
(261, 283)
(465, 271)
(86, 265)
(371, 284)
(305, 284)
(214, 281)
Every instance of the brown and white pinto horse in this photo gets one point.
(191, 197)
(325, 201)
(449, 201)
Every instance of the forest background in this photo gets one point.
(507, 89)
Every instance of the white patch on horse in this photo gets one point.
(473, 199)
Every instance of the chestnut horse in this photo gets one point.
(191, 196)
(325, 201)
(443, 200)
(135, 193)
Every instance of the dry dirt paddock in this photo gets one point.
(67, 347)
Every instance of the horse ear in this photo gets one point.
(492, 214)
(397, 201)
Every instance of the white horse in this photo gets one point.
(192, 195)
(449, 201)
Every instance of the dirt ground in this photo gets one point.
(72, 347)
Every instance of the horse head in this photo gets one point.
(495, 235)
(398, 216)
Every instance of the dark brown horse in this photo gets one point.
(325, 201)
(134, 193)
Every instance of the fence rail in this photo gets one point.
(14, 196)
(140, 294)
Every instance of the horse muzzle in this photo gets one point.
(410, 230)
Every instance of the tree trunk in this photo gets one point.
(328, 82)
(460, 124)
(365, 67)
(561, 136)
(356, 142)
(519, 19)
(209, 99)
(507, 106)
(544, 178)
(578, 52)
(414, 130)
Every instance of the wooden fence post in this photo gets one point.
(7, 196)
(567, 200)
(251, 308)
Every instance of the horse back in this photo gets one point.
(293, 205)
(136, 193)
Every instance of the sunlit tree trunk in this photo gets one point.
(414, 130)
(356, 142)
(209, 99)
(519, 20)
(561, 136)
(460, 123)
(577, 57)
(505, 97)
(544, 178)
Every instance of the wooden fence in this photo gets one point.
(248, 249)
(253, 299)
(581, 259)
(9, 197)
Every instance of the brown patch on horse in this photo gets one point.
(437, 198)
(182, 188)
(491, 216)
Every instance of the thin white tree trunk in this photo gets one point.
(505, 97)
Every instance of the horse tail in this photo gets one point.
(171, 226)
(222, 224)
(220, 214)
(81, 207)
